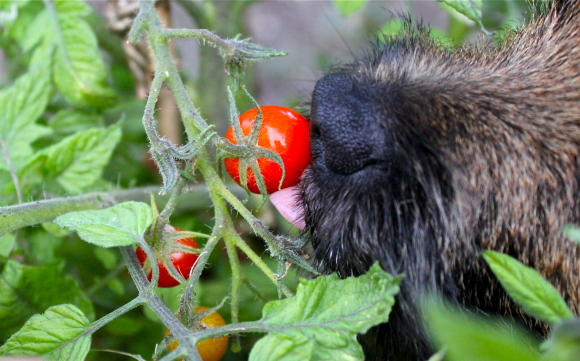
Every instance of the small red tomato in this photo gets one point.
(183, 262)
(283, 131)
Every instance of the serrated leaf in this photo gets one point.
(78, 69)
(526, 286)
(120, 225)
(466, 337)
(20, 106)
(57, 335)
(24, 291)
(347, 7)
(76, 162)
(328, 312)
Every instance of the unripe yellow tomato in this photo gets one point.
(212, 349)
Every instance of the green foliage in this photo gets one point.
(59, 329)
(75, 163)
(27, 290)
(60, 32)
(120, 225)
(564, 344)
(527, 287)
(468, 337)
(20, 107)
(468, 8)
(61, 137)
(322, 320)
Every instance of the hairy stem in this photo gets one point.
(29, 214)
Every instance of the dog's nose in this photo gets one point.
(346, 123)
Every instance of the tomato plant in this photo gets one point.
(283, 131)
(212, 349)
(183, 262)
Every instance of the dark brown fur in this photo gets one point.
(425, 156)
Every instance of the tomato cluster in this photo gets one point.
(183, 262)
(212, 349)
(283, 131)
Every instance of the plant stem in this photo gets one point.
(179, 331)
(29, 214)
(113, 315)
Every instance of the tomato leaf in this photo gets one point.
(347, 7)
(20, 106)
(526, 286)
(322, 320)
(60, 31)
(120, 225)
(466, 337)
(24, 292)
(76, 162)
(53, 335)
(68, 121)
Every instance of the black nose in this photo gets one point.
(346, 119)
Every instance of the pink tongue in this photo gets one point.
(285, 201)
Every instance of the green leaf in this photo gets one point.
(470, 8)
(69, 121)
(6, 242)
(347, 7)
(322, 320)
(26, 290)
(53, 335)
(120, 225)
(78, 161)
(79, 73)
(526, 286)
(467, 337)
(74, 163)
(20, 106)
(564, 344)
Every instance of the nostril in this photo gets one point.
(314, 130)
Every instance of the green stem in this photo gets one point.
(219, 192)
(163, 217)
(179, 331)
(113, 315)
(236, 282)
(29, 214)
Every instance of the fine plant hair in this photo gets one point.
(424, 156)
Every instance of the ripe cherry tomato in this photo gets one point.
(183, 262)
(212, 349)
(283, 131)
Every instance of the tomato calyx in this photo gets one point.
(176, 256)
(247, 150)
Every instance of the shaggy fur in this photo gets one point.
(425, 156)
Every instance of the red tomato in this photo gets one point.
(183, 262)
(283, 131)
